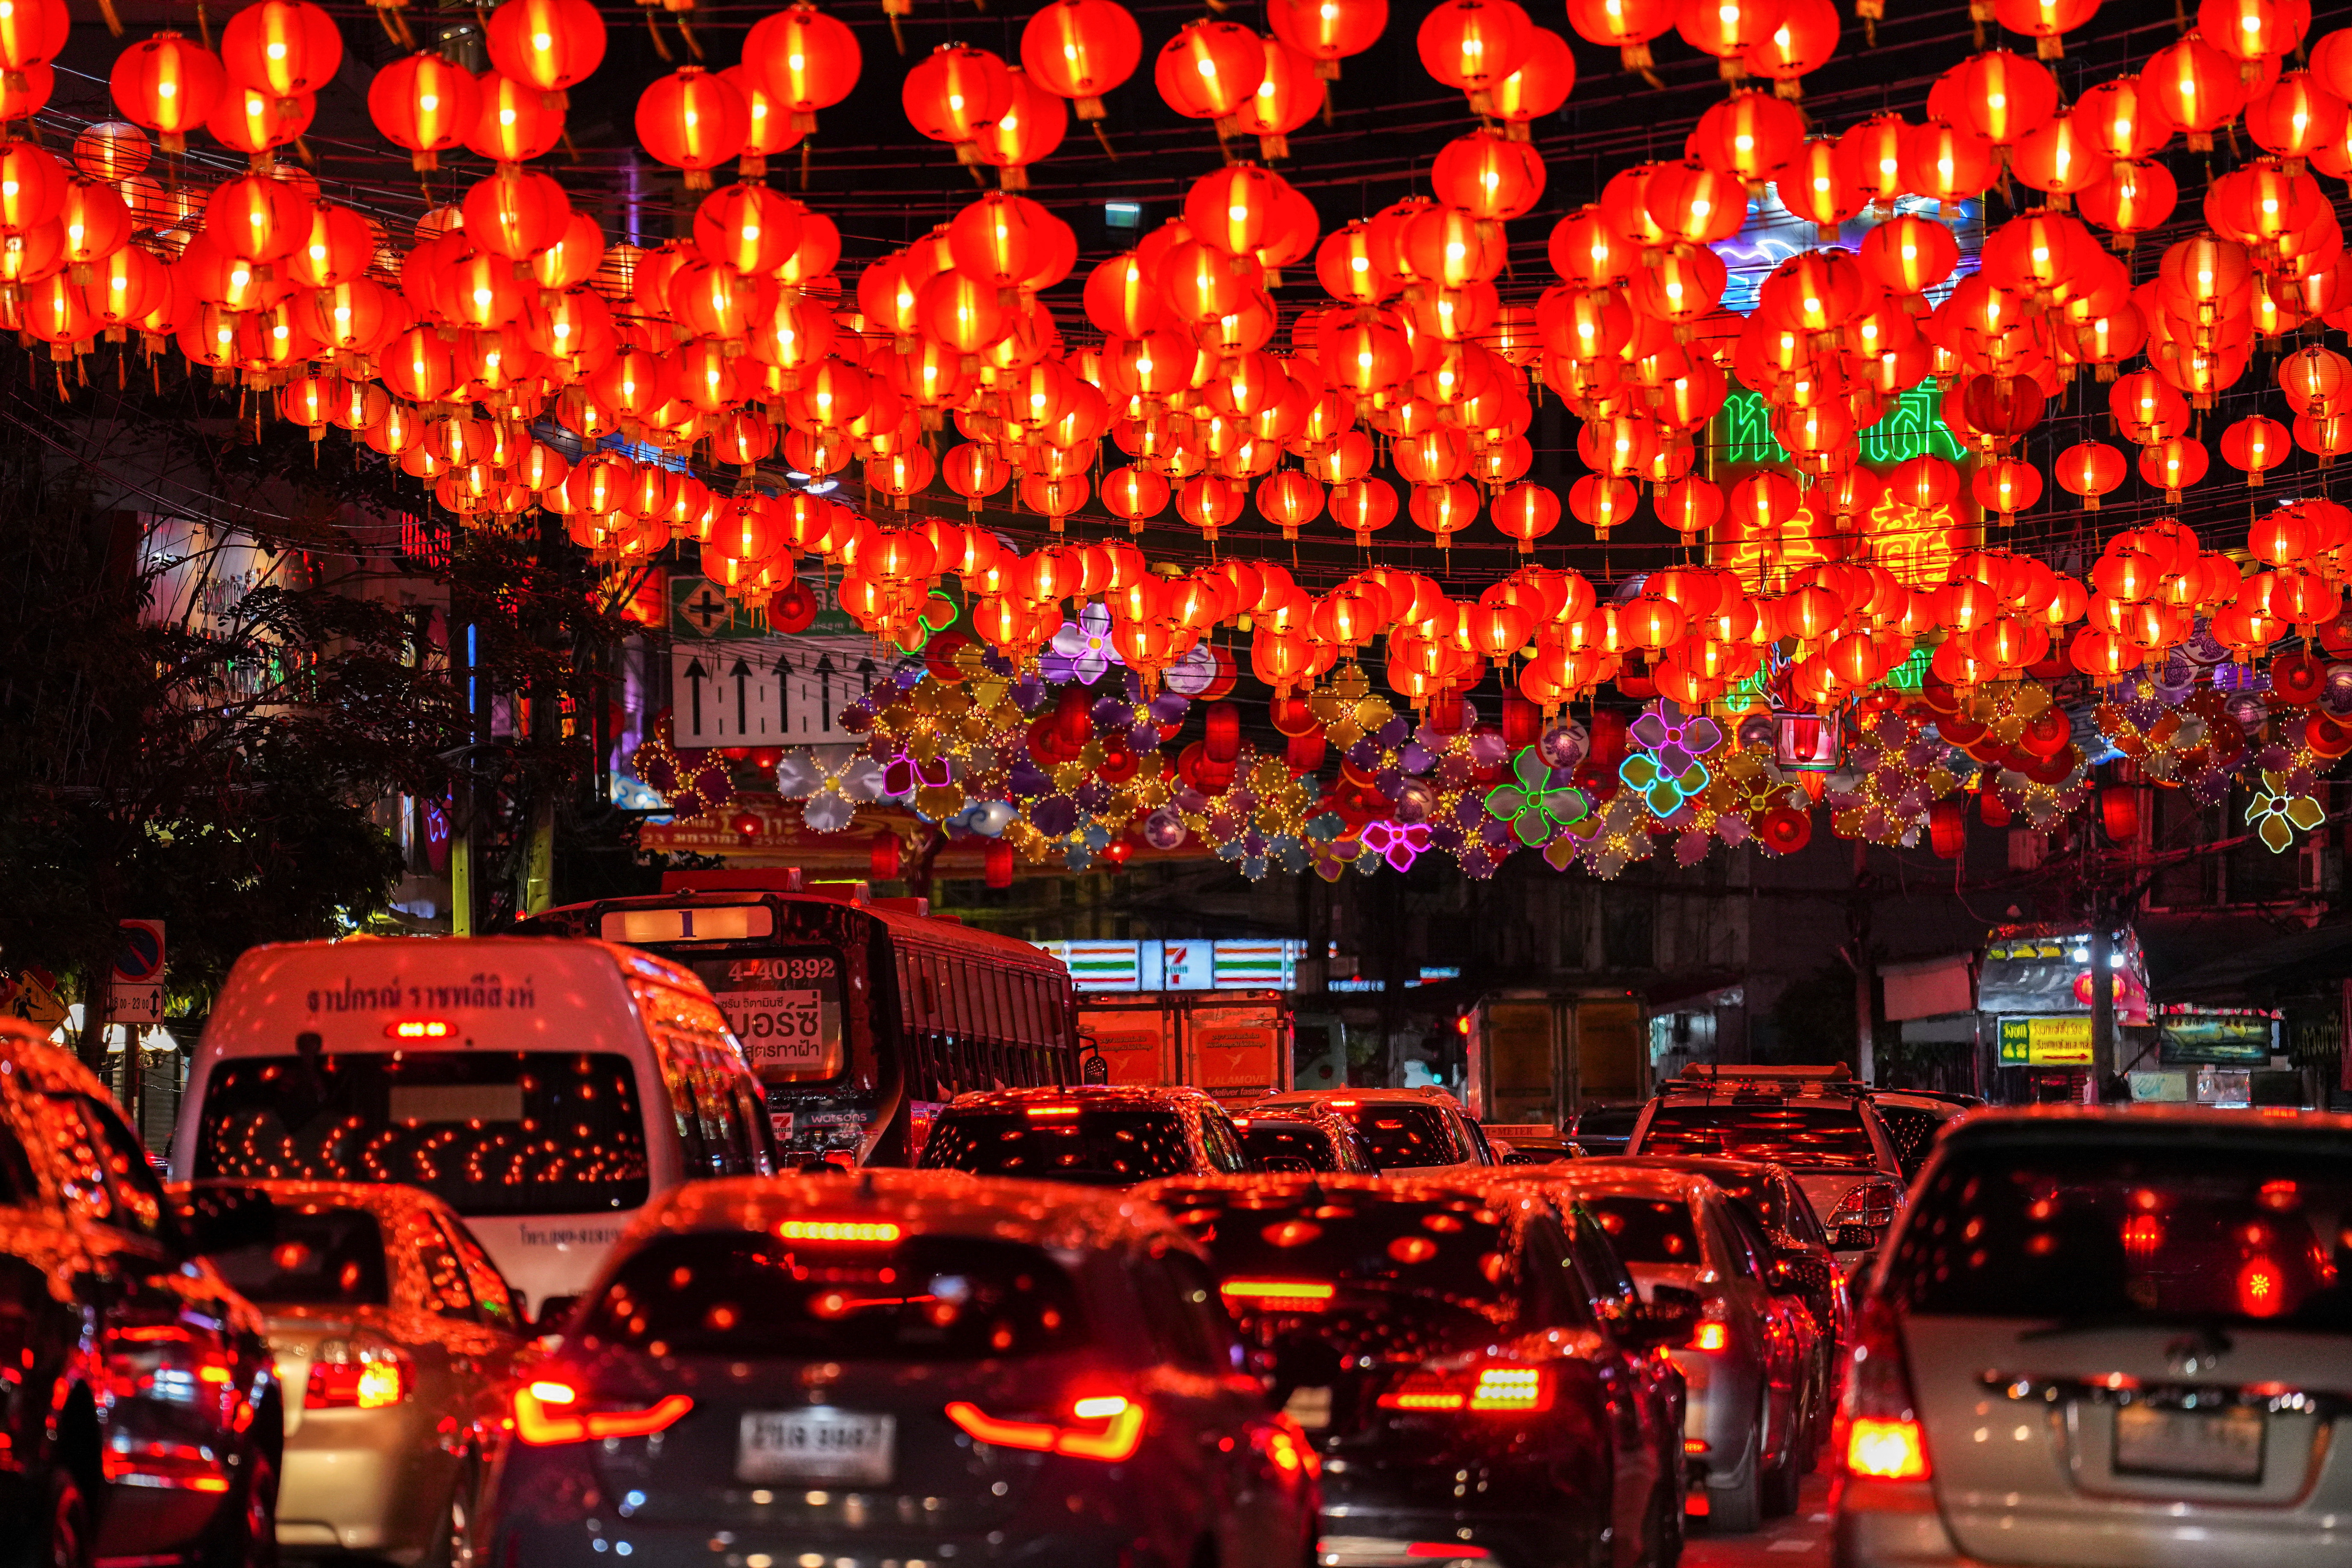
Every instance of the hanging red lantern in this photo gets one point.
(808, 60)
(2045, 21)
(1487, 175)
(1751, 136)
(1362, 506)
(2173, 466)
(1626, 25)
(1328, 31)
(1208, 69)
(1471, 45)
(2119, 813)
(2197, 86)
(2254, 446)
(287, 48)
(1081, 49)
(425, 104)
(1948, 829)
(695, 120)
(1538, 88)
(169, 85)
(550, 45)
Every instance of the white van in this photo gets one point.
(546, 1089)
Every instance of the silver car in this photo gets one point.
(2108, 1338)
(1816, 1122)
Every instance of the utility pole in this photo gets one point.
(1865, 1003)
(2105, 1056)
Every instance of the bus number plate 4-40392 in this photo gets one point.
(778, 1028)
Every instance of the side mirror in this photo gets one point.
(226, 1219)
(552, 1312)
(1667, 1319)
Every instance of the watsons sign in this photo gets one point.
(488, 993)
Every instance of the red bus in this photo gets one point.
(860, 1016)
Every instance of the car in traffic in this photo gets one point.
(1747, 1429)
(1439, 1348)
(1303, 1138)
(1799, 1263)
(901, 1366)
(1107, 1135)
(1601, 1129)
(1531, 1144)
(1423, 1130)
(1912, 1117)
(393, 1333)
(1814, 1122)
(140, 1420)
(546, 1089)
(2107, 1336)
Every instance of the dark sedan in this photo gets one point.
(140, 1418)
(1436, 1340)
(1104, 1136)
(901, 1366)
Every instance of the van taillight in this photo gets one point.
(1879, 1434)
(374, 1381)
(420, 1029)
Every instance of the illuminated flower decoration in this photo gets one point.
(1397, 842)
(1677, 738)
(832, 782)
(1081, 650)
(905, 773)
(2276, 815)
(1533, 804)
(1663, 792)
(1332, 857)
(1194, 672)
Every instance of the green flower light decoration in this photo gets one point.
(2276, 815)
(1532, 805)
(1664, 790)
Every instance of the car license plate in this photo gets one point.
(1310, 1407)
(2216, 1445)
(818, 1443)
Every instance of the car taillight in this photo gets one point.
(1879, 1434)
(1492, 1390)
(1106, 1427)
(550, 1410)
(1712, 1337)
(1277, 1295)
(1873, 1204)
(366, 1379)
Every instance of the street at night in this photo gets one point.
(1108, 783)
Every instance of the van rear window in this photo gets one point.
(489, 1132)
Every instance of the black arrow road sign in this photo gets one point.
(694, 675)
(742, 674)
(824, 689)
(784, 695)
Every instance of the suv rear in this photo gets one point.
(1816, 1122)
(2108, 1337)
(1099, 1135)
(1423, 1130)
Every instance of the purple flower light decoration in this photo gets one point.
(1081, 650)
(1678, 739)
(1400, 843)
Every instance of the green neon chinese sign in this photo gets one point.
(1910, 429)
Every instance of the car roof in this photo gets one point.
(1700, 1164)
(52, 1069)
(2188, 1124)
(1399, 1187)
(1342, 1096)
(1056, 1215)
(1109, 1096)
(1595, 1175)
(378, 1198)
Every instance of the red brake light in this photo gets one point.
(420, 1029)
(1053, 1111)
(1278, 1295)
(1490, 1390)
(1879, 1434)
(877, 1232)
(547, 1410)
(1106, 1427)
(1712, 1337)
(378, 1381)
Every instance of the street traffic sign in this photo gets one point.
(140, 962)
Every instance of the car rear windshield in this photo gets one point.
(1403, 1136)
(1101, 1147)
(320, 1257)
(2247, 1234)
(1792, 1132)
(913, 1299)
(490, 1132)
(1447, 1248)
(1265, 1141)
(1647, 1230)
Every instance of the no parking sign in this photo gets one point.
(136, 995)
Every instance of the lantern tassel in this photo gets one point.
(660, 47)
(203, 26)
(113, 22)
(1109, 150)
(692, 46)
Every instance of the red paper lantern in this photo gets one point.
(169, 85)
(1081, 49)
(1948, 830)
(424, 104)
(1208, 69)
(550, 45)
(693, 120)
(1328, 31)
(809, 60)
